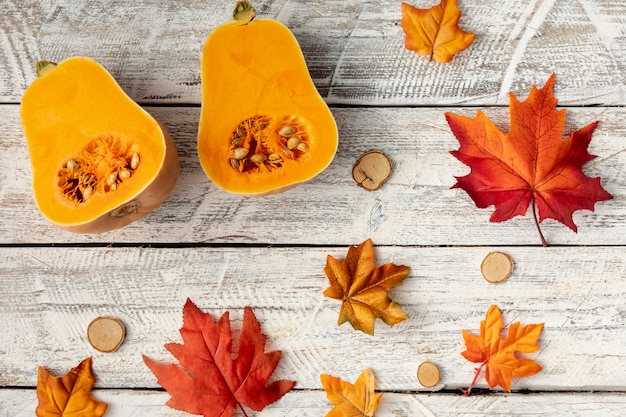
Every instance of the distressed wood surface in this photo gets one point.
(226, 252)
(354, 48)
(315, 404)
(415, 207)
(572, 290)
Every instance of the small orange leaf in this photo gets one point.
(351, 400)
(435, 31)
(363, 288)
(499, 356)
(69, 395)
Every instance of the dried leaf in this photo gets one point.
(500, 356)
(363, 288)
(435, 31)
(69, 395)
(351, 400)
(209, 381)
(531, 165)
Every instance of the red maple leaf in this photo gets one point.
(533, 164)
(209, 381)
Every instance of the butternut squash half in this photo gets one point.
(99, 161)
(264, 128)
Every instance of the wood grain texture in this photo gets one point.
(225, 251)
(51, 295)
(415, 207)
(354, 49)
(22, 403)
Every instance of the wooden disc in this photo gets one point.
(496, 267)
(106, 334)
(371, 170)
(428, 374)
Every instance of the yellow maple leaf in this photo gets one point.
(351, 400)
(69, 395)
(435, 31)
(363, 288)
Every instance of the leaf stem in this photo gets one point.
(466, 392)
(242, 410)
(543, 239)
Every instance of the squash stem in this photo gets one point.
(44, 67)
(244, 12)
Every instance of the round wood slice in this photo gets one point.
(106, 334)
(428, 374)
(496, 267)
(372, 170)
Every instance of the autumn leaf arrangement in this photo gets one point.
(210, 380)
(363, 290)
(532, 166)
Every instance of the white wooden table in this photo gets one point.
(226, 252)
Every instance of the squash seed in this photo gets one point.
(112, 178)
(71, 164)
(240, 153)
(275, 158)
(258, 158)
(234, 163)
(287, 152)
(302, 147)
(287, 131)
(124, 174)
(293, 142)
(87, 193)
(134, 161)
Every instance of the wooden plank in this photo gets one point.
(124, 403)
(49, 296)
(416, 206)
(354, 49)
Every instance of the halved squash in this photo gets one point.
(99, 161)
(264, 128)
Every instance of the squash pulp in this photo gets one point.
(264, 128)
(99, 161)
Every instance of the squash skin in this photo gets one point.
(62, 112)
(258, 69)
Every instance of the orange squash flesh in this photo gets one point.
(78, 103)
(257, 70)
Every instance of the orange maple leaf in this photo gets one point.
(435, 31)
(531, 165)
(209, 381)
(363, 288)
(69, 395)
(351, 400)
(499, 356)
